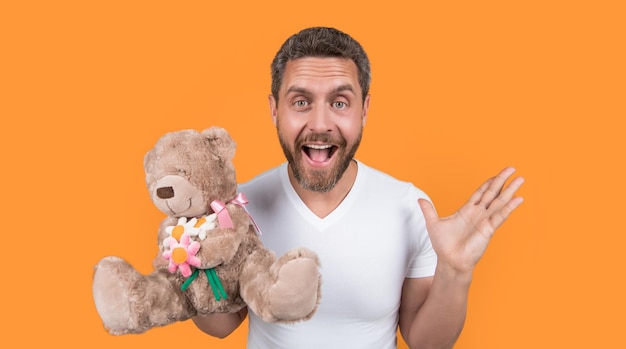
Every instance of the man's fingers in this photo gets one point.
(498, 217)
(478, 194)
(495, 187)
(428, 210)
(506, 194)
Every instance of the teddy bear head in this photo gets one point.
(186, 170)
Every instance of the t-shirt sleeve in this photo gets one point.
(424, 262)
(424, 258)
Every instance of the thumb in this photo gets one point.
(428, 210)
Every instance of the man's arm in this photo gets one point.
(432, 312)
(220, 324)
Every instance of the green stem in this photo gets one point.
(216, 284)
(187, 282)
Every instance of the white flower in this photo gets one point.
(196, 228)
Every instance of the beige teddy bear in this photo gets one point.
(212, 260)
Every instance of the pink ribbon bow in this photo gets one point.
(223, 217)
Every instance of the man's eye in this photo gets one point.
(339, 105)
(301, 103)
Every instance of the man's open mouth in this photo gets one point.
(319, 152)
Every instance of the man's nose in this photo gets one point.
(320, 119)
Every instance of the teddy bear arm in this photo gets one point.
(221, 244)
(286, 289)
(219, 247)
(256, 280)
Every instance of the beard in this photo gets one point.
(319, 180)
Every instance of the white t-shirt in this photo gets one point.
(367, 247)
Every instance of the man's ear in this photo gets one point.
(273, 109)
(366, 106)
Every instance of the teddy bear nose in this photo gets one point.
(165, 192)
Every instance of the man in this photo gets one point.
(387, 259)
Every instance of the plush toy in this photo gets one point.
(212, 260)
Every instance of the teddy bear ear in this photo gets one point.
(220, 142)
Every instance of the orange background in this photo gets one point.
(460, 90)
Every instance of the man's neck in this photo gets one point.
(323, 203)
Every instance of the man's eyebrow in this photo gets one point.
(297, 89)
(345, 87)
(338, 89)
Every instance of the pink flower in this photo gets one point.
(182, 254)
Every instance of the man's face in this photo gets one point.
(319, 117)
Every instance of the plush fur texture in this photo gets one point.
(185, 172)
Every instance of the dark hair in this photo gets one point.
(321, 42)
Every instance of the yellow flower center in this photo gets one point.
(179, 255)
(177, 232)
(200, 222)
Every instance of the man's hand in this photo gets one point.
(460, 240)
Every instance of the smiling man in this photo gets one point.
(319, 113)
(401, 266)
(315, 93)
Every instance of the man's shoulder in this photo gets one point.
(269, 173)
(263, 184)
(388, 183)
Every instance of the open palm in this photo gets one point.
(461, 239)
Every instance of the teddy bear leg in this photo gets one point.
(129, 302)
(289, 290)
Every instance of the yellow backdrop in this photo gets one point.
(459, 90)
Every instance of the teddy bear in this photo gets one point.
(211, 259)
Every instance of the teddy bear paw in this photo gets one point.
(110, 292)
(296, 293)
